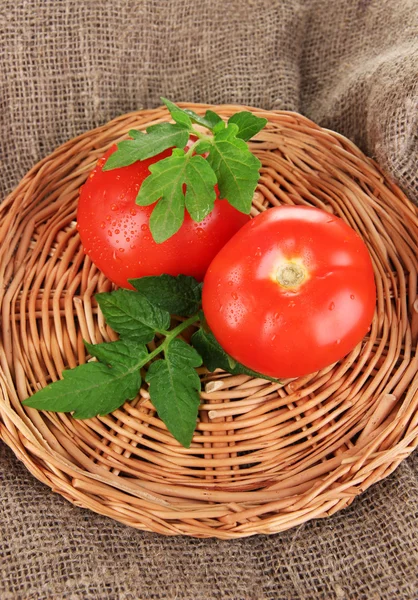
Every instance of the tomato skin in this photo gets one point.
(283, 331)
(115, 232)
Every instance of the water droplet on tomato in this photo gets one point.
(102, 225)
(234, 296)
(117, 177)
(331, 306)
(132, 246)
(146, 238)
(109, 233)
(338, 342)
(144, 227)
(352, 296)
(121, 249)
(128, 239)
(117, 231)
(108, 218)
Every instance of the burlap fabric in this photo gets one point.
(67, 66)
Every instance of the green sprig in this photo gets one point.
(103, 385)
(185, 180)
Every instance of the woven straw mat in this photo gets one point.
(265, 456)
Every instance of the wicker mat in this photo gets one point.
(68, 66)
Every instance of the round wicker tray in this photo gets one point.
(264, 457)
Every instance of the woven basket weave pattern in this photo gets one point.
(265, 456)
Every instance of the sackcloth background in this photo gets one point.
(68, 66)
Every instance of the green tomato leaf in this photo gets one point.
(126, 154)
(219, 126)
(94, 388)
(132, 315)
(168, 216)
(179, 115)
(187, 116)
(181, 295)
(248, 124)
(202, 146)
(210, 120)
(213, 120)
(118, 354)
(158, 138)
(166, 184)
(200, 191)
(135, 134)
(236, 168)
(174, 389)
(215, 357)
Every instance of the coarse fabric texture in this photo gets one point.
(68, 66)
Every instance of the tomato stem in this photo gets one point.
(169, 336)
(200, 136)
(291, 275)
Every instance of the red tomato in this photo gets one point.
(292, 292)
(115, 231)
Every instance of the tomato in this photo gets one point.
(115, 232)
(292, 292)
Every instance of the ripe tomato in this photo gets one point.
(115, 231)
(292, 292)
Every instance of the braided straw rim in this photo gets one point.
(264, 457)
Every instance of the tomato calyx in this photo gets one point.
(291, 275)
